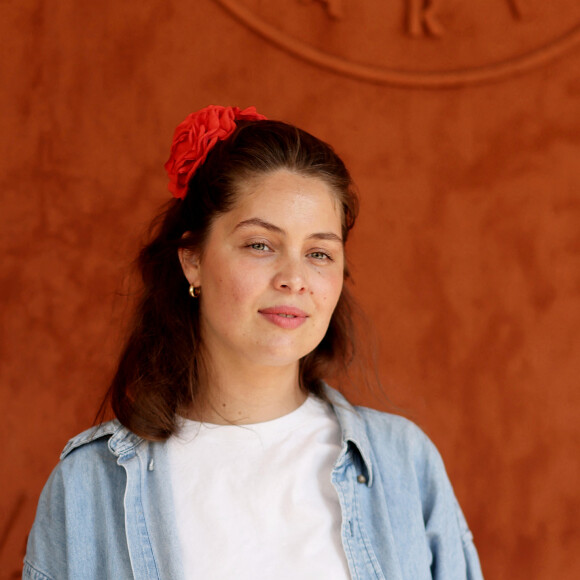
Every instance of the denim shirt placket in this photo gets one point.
(362, 562)
(132, 458)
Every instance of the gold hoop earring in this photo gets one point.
(194, 291)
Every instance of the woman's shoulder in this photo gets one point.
(92, 457)
(405, 467)
(372, 419)
(110, 438)
(80, 509)
(99, 432)
(395, 427)
(389, 436)
(385, 419)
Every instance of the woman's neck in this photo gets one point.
(251, 396)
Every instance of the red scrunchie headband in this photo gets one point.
(196, 136)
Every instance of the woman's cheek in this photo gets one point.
(331, 287)
(243, 283)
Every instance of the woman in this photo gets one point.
(230, 457)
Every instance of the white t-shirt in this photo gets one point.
(256, 501)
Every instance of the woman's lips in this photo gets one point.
(284, 316)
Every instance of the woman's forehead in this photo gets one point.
(286, 197)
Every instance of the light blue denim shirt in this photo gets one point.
(107, 511)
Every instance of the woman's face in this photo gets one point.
(271, 272)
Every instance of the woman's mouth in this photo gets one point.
(284, 316)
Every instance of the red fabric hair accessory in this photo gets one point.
(196, 136)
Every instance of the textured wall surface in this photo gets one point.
(460, 123)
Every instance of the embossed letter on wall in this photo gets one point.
(417, 43)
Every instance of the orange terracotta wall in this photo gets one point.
(461, 126)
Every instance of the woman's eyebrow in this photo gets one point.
(261, 223)
(271, 227)
(326, 236)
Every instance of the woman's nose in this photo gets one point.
(291, 276)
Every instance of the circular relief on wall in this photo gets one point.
(417, 43)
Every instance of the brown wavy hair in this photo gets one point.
(160, 365)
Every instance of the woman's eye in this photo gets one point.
(320, 256)
(260, 246)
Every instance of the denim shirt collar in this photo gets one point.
(123, 443)
(354, 434)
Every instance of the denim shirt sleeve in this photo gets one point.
(472, 565)
(445, 523)
(63, 542)
(105, 512)
(425, 486)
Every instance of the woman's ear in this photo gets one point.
(190, 264)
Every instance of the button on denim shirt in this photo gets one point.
(107, 510)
